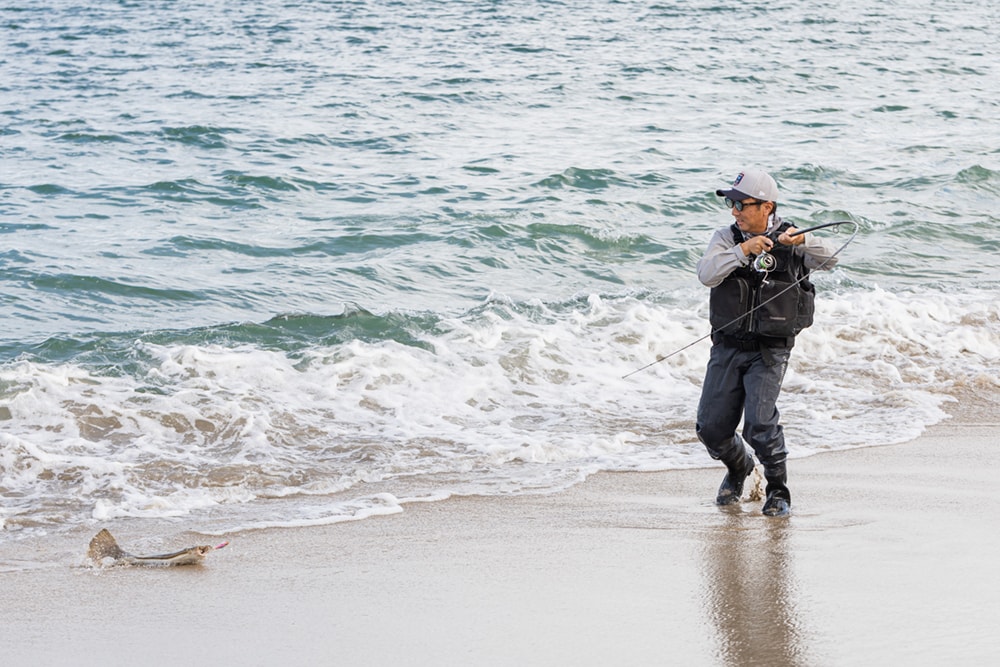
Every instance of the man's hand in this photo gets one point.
(786, 238)
(756, 245)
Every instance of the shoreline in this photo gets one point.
(886, 557)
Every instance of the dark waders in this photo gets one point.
(744, 380)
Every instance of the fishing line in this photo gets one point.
(763, 303)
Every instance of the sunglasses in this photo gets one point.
(739, 206)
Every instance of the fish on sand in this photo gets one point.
(104, 550)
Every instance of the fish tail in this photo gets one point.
(104, 546)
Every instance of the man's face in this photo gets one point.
(753, 218)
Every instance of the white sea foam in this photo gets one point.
(510, 399)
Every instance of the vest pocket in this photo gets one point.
(726, 303)
(785, 308)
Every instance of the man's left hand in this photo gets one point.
(786, 239)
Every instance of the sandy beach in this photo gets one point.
(889, 558)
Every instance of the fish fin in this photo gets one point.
(104, 546)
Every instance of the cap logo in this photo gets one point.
(738, 179)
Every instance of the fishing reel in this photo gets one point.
(766, 262)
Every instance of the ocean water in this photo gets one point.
(303, 262)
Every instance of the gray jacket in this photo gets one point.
(723, 255)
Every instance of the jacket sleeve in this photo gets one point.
(721, 258)
(818, 253)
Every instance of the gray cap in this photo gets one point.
(752, 183)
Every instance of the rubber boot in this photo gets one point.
(779, 498)
(732, 484)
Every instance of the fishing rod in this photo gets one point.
(763, 303)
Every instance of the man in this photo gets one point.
(761, 298)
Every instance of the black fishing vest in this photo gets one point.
(749, 304)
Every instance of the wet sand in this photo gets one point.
(889, 558)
